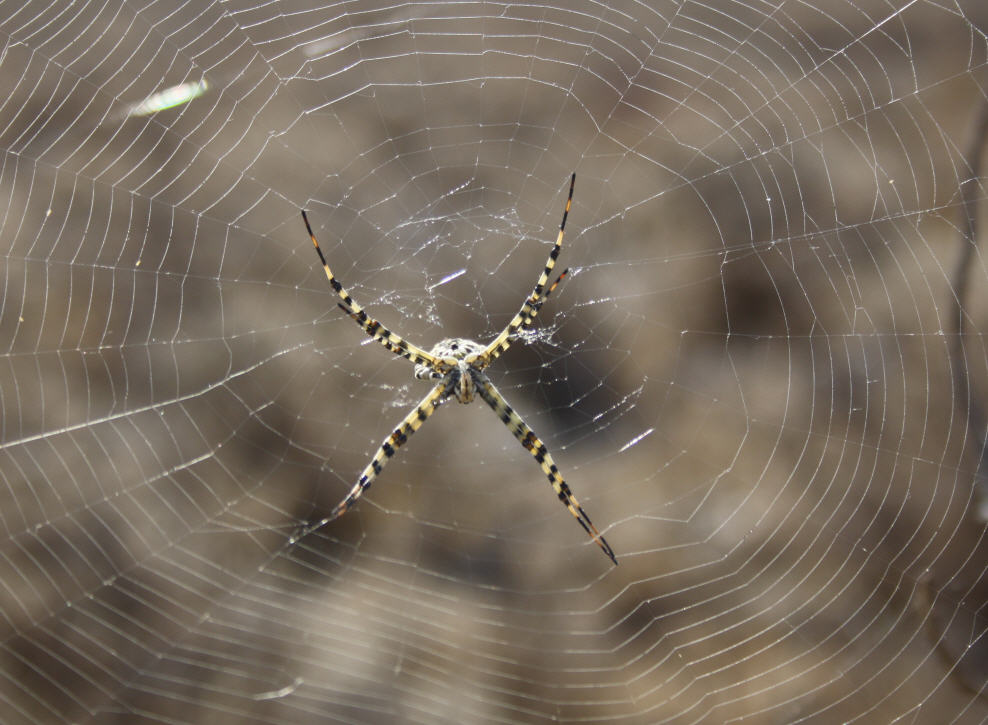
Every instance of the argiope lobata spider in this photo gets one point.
(458, 364)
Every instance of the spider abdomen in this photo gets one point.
(456, 347)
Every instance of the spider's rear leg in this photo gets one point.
(372, 327)
(533, 303)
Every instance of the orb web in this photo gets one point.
(764, 376)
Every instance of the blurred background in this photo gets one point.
(764, 376)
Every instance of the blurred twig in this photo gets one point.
(976, 419)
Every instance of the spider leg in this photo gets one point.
(537, 448)
(412, 422)
(532, 305)
(372, 327)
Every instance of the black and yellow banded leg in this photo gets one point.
(537, 448)
(372, 327)
(531, 307)
(412, 422)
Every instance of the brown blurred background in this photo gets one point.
(767, 219)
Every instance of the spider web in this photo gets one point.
(764, 377)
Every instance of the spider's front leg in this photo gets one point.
(412, 422)
(486, 390)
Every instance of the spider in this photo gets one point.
(458, 364)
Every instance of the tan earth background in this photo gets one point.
(764, 377)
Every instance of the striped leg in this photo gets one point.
(372, 327)
(412, 422)
(537, 448)
(531, 307)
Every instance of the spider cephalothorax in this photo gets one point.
(459, 357)
(458, 364)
